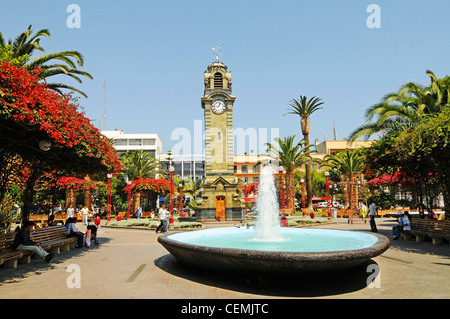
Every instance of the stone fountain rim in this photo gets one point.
(382, 244)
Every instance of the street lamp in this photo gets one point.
(171, 171)
(108, 207)
(181, 199)
(327, 174)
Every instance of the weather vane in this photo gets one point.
(217, 51)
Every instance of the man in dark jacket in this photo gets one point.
(22, 241)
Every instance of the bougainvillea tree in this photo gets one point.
(151, 186)
(46, 131)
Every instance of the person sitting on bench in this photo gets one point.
(404, 224)
(22, 241)
(72, 231)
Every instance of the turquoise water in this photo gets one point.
(292, 239)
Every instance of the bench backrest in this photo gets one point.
(48, 233)
(39, 235)
(6, 241)
(430, 225)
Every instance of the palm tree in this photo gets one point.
(192, 188)
(349, 164)
(141, 165)
(291, 156)
(304, 108)
(26, 43)
(405, 108)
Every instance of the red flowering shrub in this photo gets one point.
(29, 111)
(156, 185)
(74, 183)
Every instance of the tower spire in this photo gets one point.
(217, 51)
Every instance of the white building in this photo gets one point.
(132, 142)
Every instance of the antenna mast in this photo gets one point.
(104, 104)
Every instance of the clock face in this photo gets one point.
(218, 107)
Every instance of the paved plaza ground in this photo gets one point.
(131, 264)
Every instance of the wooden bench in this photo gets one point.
(8, 256)
(437, 230)
(53, 239)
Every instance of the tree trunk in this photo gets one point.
(290, 190)
(71, 198)
(28, 193)
(136, 203)
(305, 131)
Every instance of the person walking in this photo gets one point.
(70, 212)
(162, 216)
(22, 241)
(85, 213)
(373, 213)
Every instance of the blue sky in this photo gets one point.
(153, 55)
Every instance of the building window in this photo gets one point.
(256, 169)
(244, 169)
(135, 142)
(120, 142)
(218, 81)
(150, 141)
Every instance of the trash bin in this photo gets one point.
(334, 213)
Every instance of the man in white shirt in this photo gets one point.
(85, 212)
(373, 213)
(162, 219)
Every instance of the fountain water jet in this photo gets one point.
(269, 248)
(268, 220)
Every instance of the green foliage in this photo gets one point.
(318, 182)
(140, 165)
(22, 48)
(151, 223)
(6, 206)
(7, 55)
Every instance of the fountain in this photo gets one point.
(270, 248)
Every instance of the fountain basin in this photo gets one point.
(297, 251)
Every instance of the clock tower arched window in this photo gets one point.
(218, 80)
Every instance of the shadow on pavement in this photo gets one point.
(316, 285)
(37, 266)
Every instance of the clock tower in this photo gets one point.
(220, 198)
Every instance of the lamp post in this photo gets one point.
(171, 171)
(129, 200)
(180, 208)
(108, 207)
(327, 174)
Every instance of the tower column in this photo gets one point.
(220, 200)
